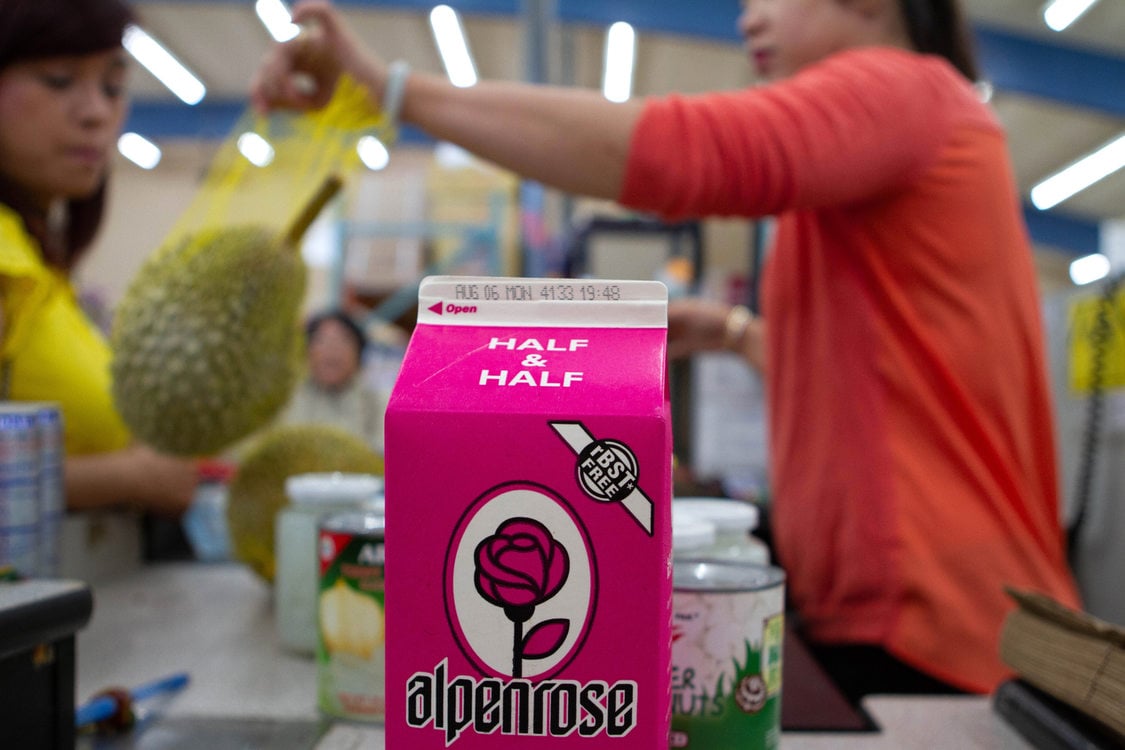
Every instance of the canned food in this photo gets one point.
(19, 488)
(350, 655)
(727, 632)
(52, 494)
(312, 498)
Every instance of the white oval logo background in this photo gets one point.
(486, 631)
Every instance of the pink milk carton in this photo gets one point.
(528, 482)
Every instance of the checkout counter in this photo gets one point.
(215, 622)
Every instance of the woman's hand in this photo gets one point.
(695, 325)
(301, 74)
(136, 476)
(699, 325)
(167, 483)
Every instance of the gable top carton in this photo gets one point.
(528, 481)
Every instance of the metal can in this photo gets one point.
(52, 493)
(727, 633)
(350, 652)
(312, 498)
(19, 488)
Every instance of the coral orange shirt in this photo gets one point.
(912, 446)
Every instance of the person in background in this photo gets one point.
(334, 392)
(62, 104)
(911, 439)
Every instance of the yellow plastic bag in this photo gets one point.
(207, 339)
(301, 152)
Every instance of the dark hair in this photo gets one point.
(938, 27)
(34, 29)
(359, 338)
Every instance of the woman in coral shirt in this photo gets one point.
(913, 459)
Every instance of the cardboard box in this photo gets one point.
(528, 479)
(39, 620)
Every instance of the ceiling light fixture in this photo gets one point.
(256, 149)
(277, 19)
(1089, 268)
(373, 153)
(1080, 175)
(160, 62)
(620, 57)
(985, 90)
(1060, 14)
(453, 46)
(139, 150)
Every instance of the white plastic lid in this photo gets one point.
(690, 532)
(335, 487)
(729, 516)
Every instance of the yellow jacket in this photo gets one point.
(50, 348)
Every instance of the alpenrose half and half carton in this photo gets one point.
(528, 481)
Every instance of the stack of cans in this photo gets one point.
(32, 498)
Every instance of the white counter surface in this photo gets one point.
(216, 623)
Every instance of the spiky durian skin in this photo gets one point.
(257, 492)
(206, 342)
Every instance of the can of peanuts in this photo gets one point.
(727, 632)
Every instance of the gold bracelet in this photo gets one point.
(734, 329)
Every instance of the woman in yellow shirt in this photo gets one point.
(62, 104)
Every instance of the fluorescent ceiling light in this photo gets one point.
(1080, 175)
(451, 156)
(256, 149)
(373, 153)
(453, 46)
(139, 150)
(620, 56)
(160, 62)
(1089, 268)
(985, 90)
(1059, 14)
(277, 19)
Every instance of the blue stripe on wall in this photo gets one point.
(1062, 232)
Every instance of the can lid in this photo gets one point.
(690, 532)
(15, 415)
(357, 522)
(728, 515)
(335, 487)
(724, 576)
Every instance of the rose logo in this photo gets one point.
(518, 568)
(520, 557)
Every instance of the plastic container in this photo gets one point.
(728, 631)
(312, 497)
(691, 535)
(205, 523)
(734, 522)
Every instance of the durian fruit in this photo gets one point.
(257, 492)
(207, 341)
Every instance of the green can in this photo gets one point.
(351, 651)
(727, 632)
